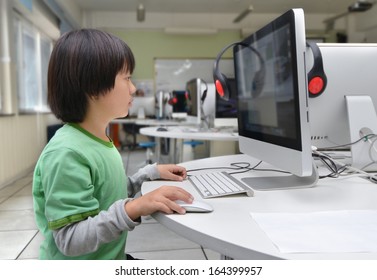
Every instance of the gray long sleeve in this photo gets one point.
(86, 236)
(149, 172)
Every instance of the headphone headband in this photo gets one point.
(220, 79)
(317, 79)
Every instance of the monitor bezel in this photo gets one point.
(293, 155)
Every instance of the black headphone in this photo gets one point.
(317, 79)
(221, 81)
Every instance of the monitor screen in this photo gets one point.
(179, 103)
(194, 92)
(273, 114)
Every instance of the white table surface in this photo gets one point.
(185, 132)
(231, 231)
(179, 133)
(152, 122)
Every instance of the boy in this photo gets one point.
(80, 188)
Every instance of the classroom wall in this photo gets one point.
(362, 27)
(22, 139)
(150, 44)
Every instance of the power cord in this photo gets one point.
(365, 138)
(339, 169)
(240, 167)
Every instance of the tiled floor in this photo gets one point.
(20, 238)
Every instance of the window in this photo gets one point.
(33, 54)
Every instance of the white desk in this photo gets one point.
(185, 132)
(151, 122)
(136, 122)
(231, 231)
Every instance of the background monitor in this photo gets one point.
(351, 70)
(194, 92)
(226, 110)
(273, 119)
(146, 104)
(179, 104)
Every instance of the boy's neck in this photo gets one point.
(96, 128)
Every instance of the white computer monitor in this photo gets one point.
(351, 70)
(273, 116)
(222, 113)
(143, 106)
(195, 89)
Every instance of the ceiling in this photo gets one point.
(218, 6)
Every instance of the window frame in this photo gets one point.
(31, 80)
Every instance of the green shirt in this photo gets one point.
(77, 176)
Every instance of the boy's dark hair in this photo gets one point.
(84, 64)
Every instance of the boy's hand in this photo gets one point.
(162, 199)
(172, 172)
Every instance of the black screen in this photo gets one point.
(269, 111)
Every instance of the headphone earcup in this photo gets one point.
(173, 101)
(221, 85)
(219, 78)
(316, 83)
(317, 79)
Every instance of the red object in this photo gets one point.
(219, 88)
(316, 85)
(173, 101)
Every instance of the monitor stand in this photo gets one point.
(282, 182)
(362, 120)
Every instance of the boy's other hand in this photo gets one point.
(172, 172)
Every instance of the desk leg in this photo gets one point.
(178, 150)
(172, 145)
(158, 149)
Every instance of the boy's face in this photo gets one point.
(119, 99)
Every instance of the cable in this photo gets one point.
(241, 167)
(365, 138)
(330, 164)
(343, 169)
(371, 147)
(233, 166)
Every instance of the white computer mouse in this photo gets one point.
(196, 206)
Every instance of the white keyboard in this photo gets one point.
(217, 184)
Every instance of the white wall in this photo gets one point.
(187, 22)
(22, 139)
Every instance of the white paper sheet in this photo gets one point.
(322, 232)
